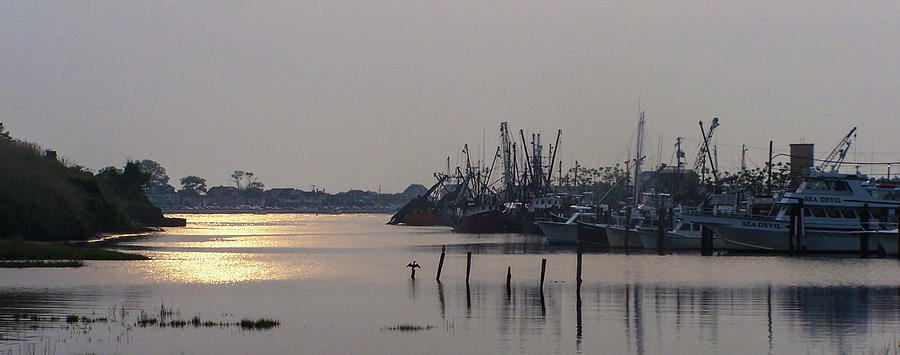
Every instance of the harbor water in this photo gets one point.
(340, 284)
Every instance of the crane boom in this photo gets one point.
(704, 146)
(836, 157)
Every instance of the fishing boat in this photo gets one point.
(424, 210)
(564, 232)
(592, 234)
(480, 218)
(620, 236)
(425, 218)
(683, 236)
(836, 210)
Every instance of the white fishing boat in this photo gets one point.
(619, 235)
(837, 209)
(563, 232)
(683, 236)
(622, 233)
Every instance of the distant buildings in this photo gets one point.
(288, 199)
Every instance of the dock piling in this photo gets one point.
(660, 231)
(800, 240)
(864, 237)
(543, 270)
(578, 272)
(440, 264)
(792, 228)
(627, 227)
(508, 279)
(706, 242)
(468, 266)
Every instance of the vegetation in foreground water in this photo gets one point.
(32, 251)
(145, 320)
(20, 264)
(409, 327)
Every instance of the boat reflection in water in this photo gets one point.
(641, 318)
(337, 282)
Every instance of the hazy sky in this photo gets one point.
(357, 94)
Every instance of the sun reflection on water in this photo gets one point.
(218, 249)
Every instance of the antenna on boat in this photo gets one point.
(637, 161)
(743, 157)
(679, 154)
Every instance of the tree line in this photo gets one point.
(611, 184)
(193, 186)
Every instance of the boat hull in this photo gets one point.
(618, 236)
(491, 221)
(559, 233)
(887, 240)
(773, 235)
(676, 241)
(422, 220)
(590, 234)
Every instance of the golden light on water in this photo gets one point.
(238, 248)
(210, 267)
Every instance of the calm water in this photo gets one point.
(337, 283)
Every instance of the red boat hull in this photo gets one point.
(422, 220)
(484, 222)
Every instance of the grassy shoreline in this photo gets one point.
(21, 264)
(18, 254)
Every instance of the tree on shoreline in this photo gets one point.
(4, 134)
(237, 176)
(158, 176)
(193, 186)
(251, 187)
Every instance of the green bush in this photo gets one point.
(43, 199)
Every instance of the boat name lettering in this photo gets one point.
(826, 199)
(766, 225)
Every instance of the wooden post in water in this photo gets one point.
(801, 229)
(468, 266)
(627, 227)
(671, 219)
(864, 237)
(508, 279)
(706, 242)
(769, 172)
(792, 228)
(440, 264)
(543, 270)
(578, 272)
(660, 230)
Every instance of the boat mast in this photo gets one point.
(679, 154)
(553, 150)
(507, 152)
(638, 158)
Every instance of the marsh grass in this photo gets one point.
(24, 252)
(408, 327)
(259, 324)
(74, 318)
(14, 264)
(165, 320)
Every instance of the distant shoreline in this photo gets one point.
(277, 211)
